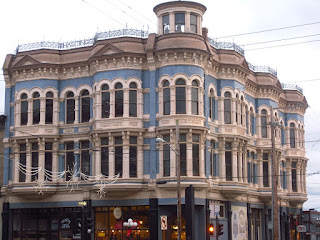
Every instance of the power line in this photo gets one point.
(269, 30)
(283, 39)
(283, 45)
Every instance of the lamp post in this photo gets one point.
(177, 152)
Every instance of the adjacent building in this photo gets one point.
(83, 118)
(311, 219)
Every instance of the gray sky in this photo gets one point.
(37, 20)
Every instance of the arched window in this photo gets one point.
(264, 132)
(166, 98)
(36, 108)
(49, 108)
(212, 105)
(118, 100)
(180, 97)
(292, 136)
(227, 108)
(24, 109)
(85, 106)
(195, 97)
(105, 101)
(133, 100)
(70, 108)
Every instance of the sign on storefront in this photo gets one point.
(301, 228)
(164, 222)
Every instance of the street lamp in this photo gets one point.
(177, 152)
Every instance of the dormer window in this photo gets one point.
(166, 24)
(193, 23)
(179, 19)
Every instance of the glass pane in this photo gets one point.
(166, 27)
(119, 103)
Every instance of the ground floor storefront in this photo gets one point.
(141, 220)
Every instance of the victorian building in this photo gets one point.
(83, 118)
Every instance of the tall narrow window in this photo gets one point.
(133, 151)
(105, 156)
(195, 154)
(85, 106)
(48, 161)
(70, 108)
(294, 176)
(292, 136)
(35, 161)
(49, 108)
(265, 158)
(180, 97)
(166, 25)
(193, 23)
(85, 157)
(166, 98)
(133, 100)
(227, 108)
(282, 133)
(228, 160)
(252, 122)
(264, 130)
(118, 100)
(166, 156)
(213, 167)
(242, 113)
(118, 155)
(24, 109)
(105, 101)
(211, 106)
(283, 175)
(195, 98)
(36, 108)
(183, 154)
(23, 161)
(179, 22)
(69, 146)
(237, 108)
(247, 119)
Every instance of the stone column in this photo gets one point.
(188, 100)
(189, 155)
(55, 160)
(111, 156)
(112, 104)
(202, 156)
(299, 176)
(41, 163)
(171, 22)
(222, 161)
(28, 162)
(30, 111)
(16, 159)
(77, 109)
(245, 164)
(234, 161)
(187, 22)
(173, 156)
(140, 156)
(289, 179)
(240, 167)
(126, 102)
(42, 111)
(260, 168)
(125, 155)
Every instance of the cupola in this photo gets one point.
(179, 17)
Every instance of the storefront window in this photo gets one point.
(109, 223)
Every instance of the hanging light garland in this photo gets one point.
(101, 181)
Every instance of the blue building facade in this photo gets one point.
(82, 124)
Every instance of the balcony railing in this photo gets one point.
(84, 42)
(226, 45)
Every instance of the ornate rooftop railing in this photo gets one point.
(288, 86)
(226, 45)
(238, 49)
(262, 69)
(84, 42)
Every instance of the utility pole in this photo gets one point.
(275, 207)
(178, 180)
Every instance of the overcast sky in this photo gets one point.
(60, 20)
